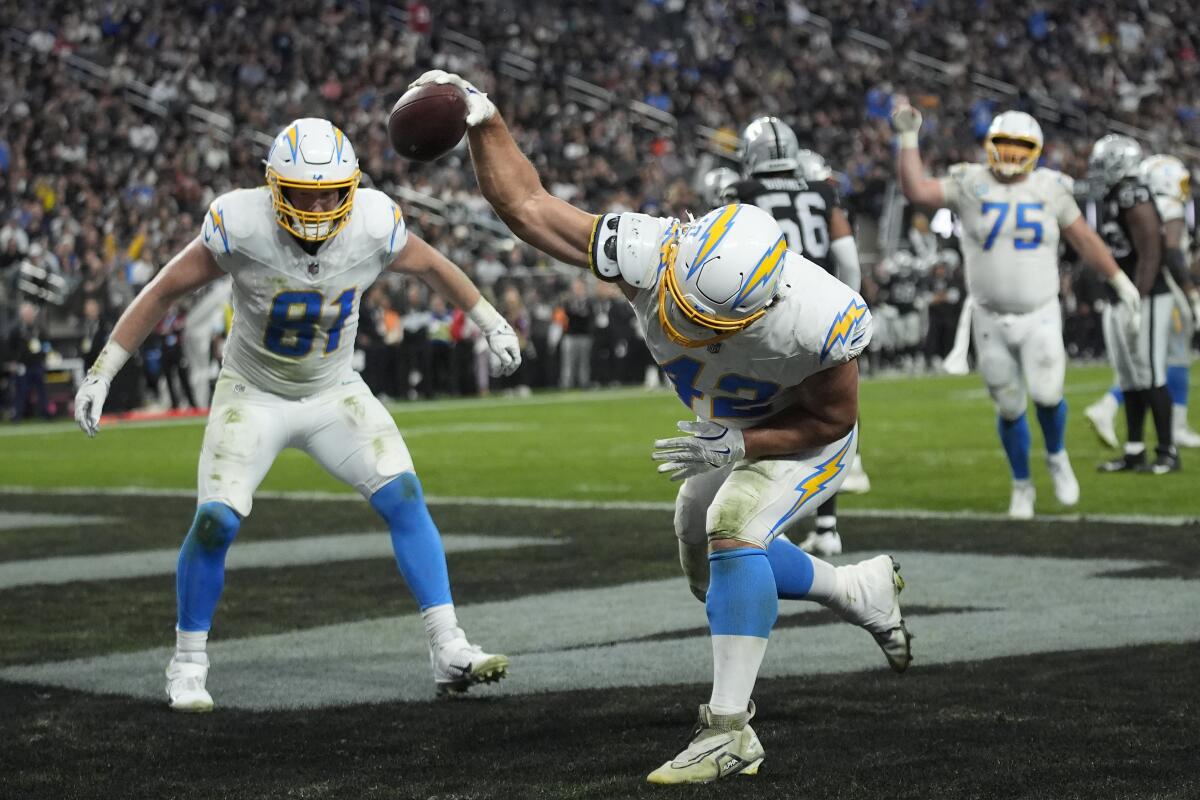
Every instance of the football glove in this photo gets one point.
(89, 403)
(505, 347)
(906, 121)
(502, 341)
(479, 108)
(1127, 296)
(708, 446)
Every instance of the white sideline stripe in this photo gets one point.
(614, 505)
(249, 555)
(27, 520)
(422, 407)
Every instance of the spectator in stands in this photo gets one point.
(576, 345)
(27, 347)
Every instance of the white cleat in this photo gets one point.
(458, 665)
(1102, 416)
(1182, 434)
(822, 543)
(185, 687)
(856, 481)
(722, 745)
(868, 595)
(1020, 506)
(1066, 488)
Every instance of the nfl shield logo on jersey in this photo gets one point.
(313, 268)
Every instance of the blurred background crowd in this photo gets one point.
(121, 121)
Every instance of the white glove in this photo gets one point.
(479, 108)
(708, 447)
(1128, 296)
(89, 403)
(505, 349)
(501, 339)
(906, 121)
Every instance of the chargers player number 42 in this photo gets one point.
(750, 398)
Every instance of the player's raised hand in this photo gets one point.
(708, 446)
(479, 108)
(906, 119)
(89, 403)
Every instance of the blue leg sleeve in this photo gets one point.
(792, 567)
(741, 593)
(1053, 421)
(1014, 434)
(1177, 384)
(1117, 394)
(200, 574)
(415, 540)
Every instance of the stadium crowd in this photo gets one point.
(121, 121)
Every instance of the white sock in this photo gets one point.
(1108, 403)
(1179, 417)
(191, 646)
(1135, 448)
(736, 660)
(824, 583)
(441, 623)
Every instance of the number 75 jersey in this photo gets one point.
(1010, 234)
(817, 323)
(295, 315)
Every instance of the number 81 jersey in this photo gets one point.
(295, 315)
(1010, 234)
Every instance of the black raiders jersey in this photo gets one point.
(900, 292)
(1113, 212)
(801, 208)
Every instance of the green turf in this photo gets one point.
(928, 443)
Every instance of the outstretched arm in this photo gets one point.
(192, 268)
(511, 184)
(442, 275)
(918, 187)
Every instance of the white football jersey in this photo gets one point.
(1010, 234)
(295, 315)
(1170, 208)
(817, 323)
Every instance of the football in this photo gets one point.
(428, 121)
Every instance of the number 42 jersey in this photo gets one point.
(295, 315)
(1010, 234)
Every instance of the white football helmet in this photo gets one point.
(1113, 157)
(812, 166)
(1167, 177)
(768, 145)
(716, 181)
(1013, 143)
(720, 273)
(310, 154)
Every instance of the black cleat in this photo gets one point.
(1166, 461)
(1130, 462)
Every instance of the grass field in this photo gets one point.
(928, 443)
(1054, 659)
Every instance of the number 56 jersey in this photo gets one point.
(817, 323)
(1010, 234)
(295, 315)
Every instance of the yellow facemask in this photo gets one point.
(311, 226)
(669, 285)
(1012, 155)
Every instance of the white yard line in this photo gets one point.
(399, 409)
(615, 505)
(247, 555)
